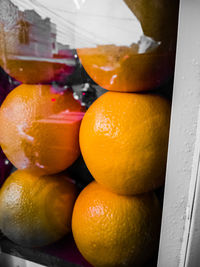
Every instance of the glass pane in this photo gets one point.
(85, 91)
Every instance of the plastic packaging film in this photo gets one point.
(123, 45)
(128, 45)
(56, 59)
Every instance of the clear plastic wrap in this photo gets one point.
(56, 59)
(128, 45)
(123, 45)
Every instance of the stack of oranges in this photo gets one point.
(123, 139)
(39, 134)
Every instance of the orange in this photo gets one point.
(39, 128)
(133, 50)
(114, 230)
(124, 141)
(33, 71)
(36, 211)
(119, 68)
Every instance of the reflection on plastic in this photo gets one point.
(124, 45)
(133, 44)
(29, 49)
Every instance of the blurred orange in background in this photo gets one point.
(33, 71)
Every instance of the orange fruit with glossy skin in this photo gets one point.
(113, 230)
(124, 141)
(40, 128)
(137, 57)
(36, 211)
(123, 69)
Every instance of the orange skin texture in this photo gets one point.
(36, 211)
(123, 69)
(124, 141)
(40, 128)
(113, 230)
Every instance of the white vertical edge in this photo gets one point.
(184, 117)
(192, 229)
(190, 255)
